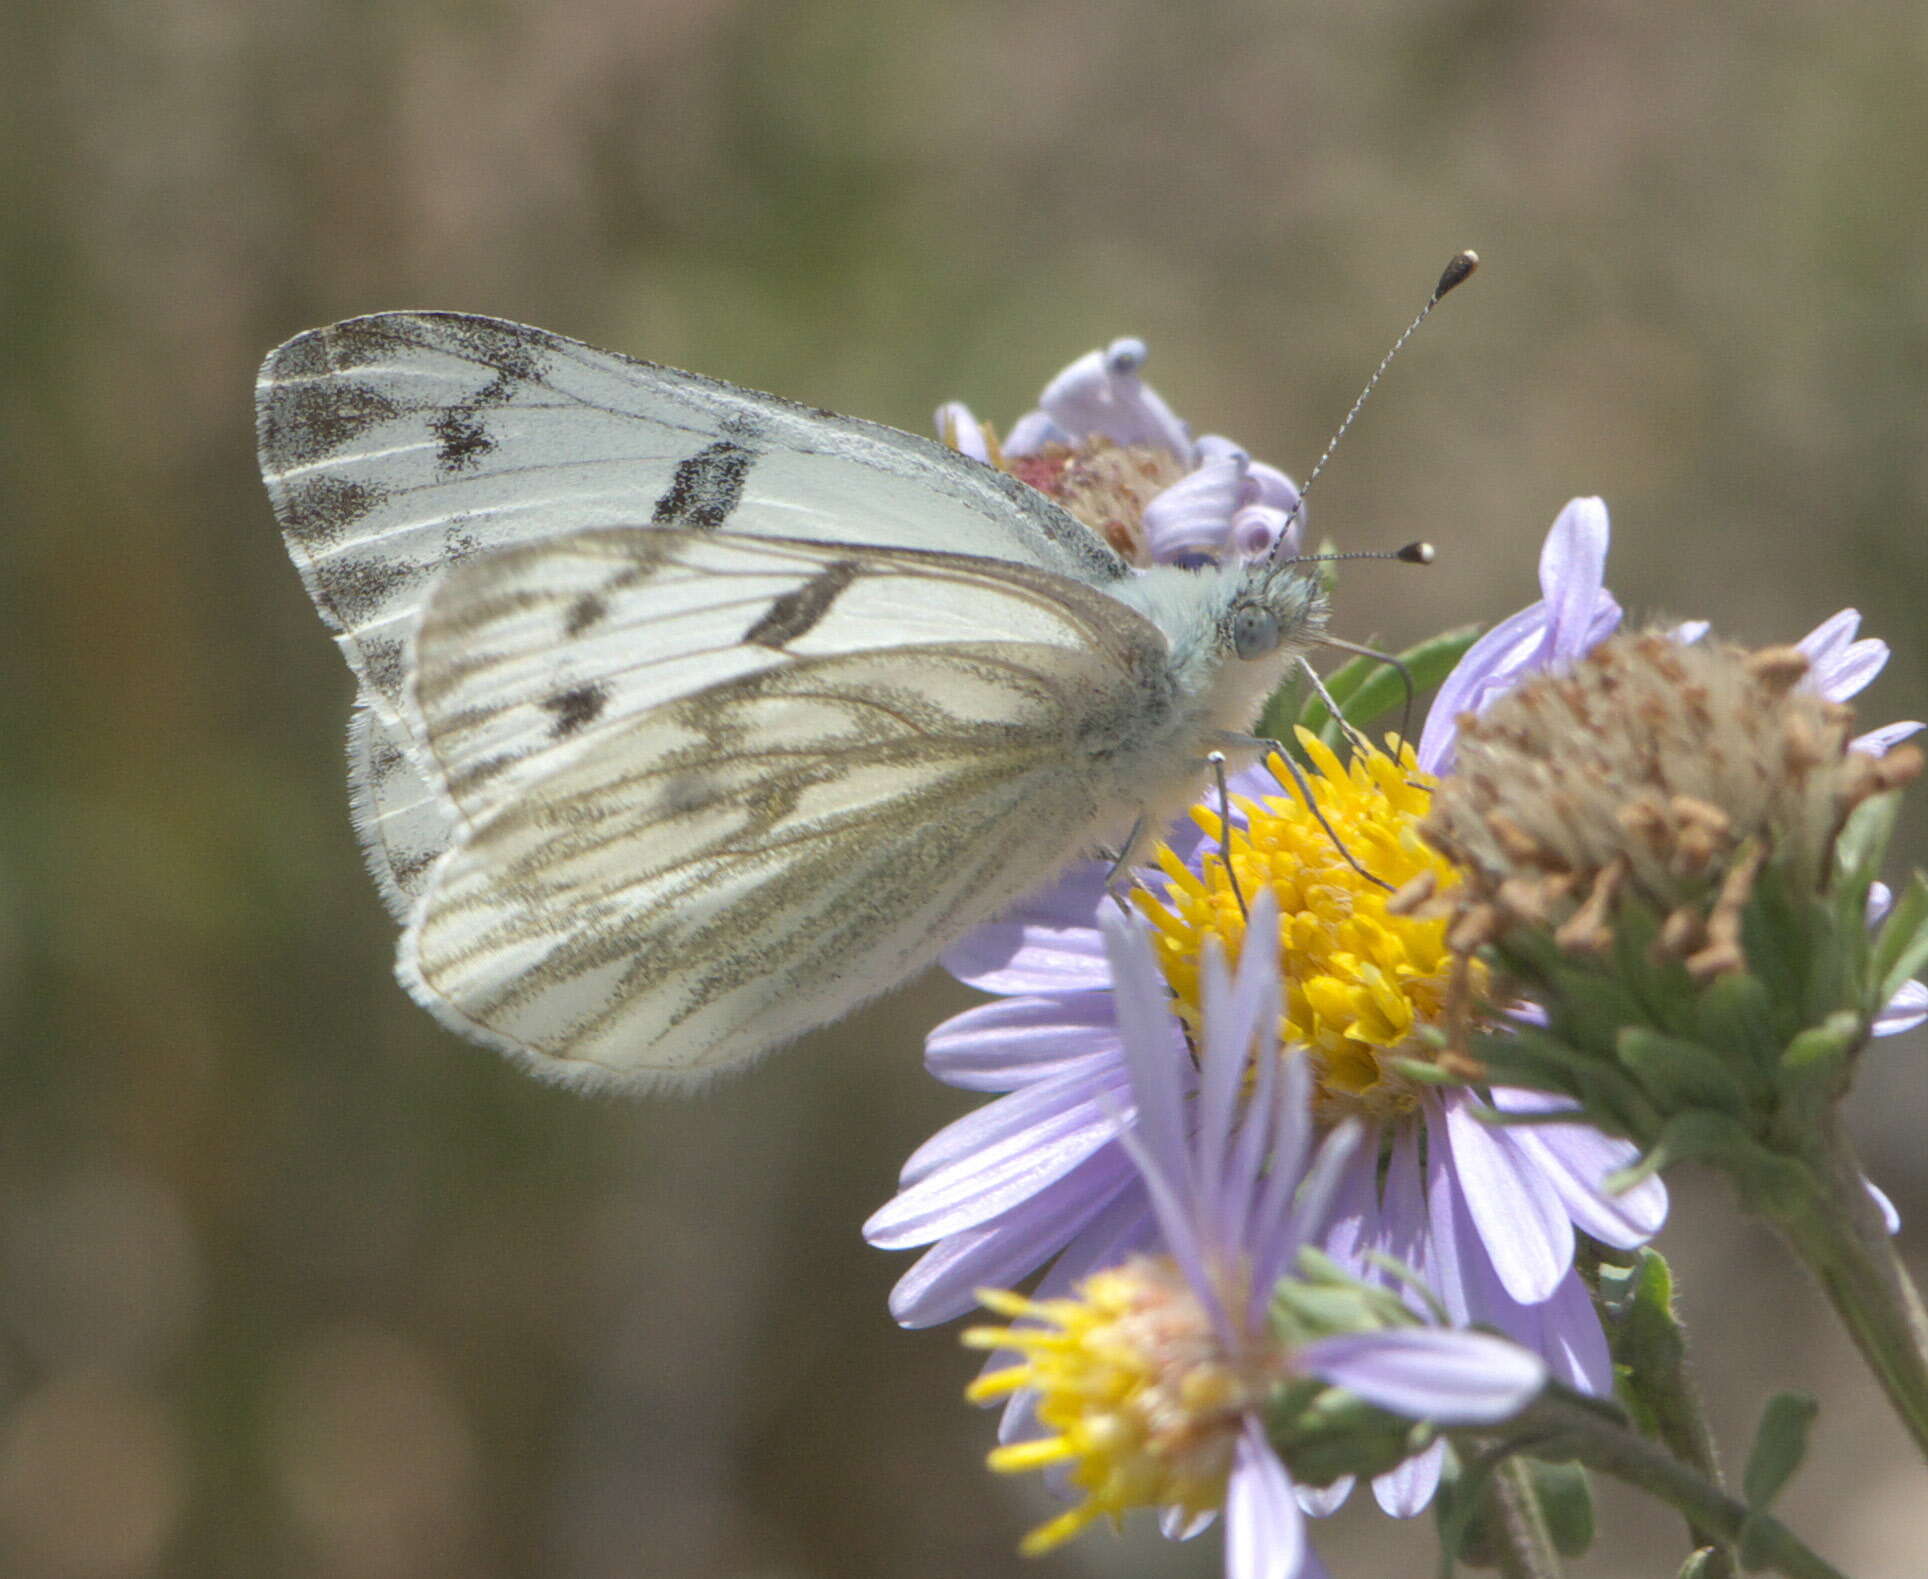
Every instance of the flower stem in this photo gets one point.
(1649, 1342)
(1564, 1424)
(1835, 1230)
(1526, 1547)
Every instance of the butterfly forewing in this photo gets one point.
(396, 445)
(730, 869)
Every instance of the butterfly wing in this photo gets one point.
(675, 882)
(526, 659)
(404, 821)
(395, 446)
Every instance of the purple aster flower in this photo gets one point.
(1106, 447)
(1486, 1215)
(1147, 1386)
(1041, 1177)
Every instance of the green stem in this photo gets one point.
(1564, 1424)
(1684, 1431)
(1649, 1343)
(1526, 1546)
(1836, 1231)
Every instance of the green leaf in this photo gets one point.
(1651, 1324)
(1775, 944)
(1863, 839)
(1545, 1063)
(1736, 1020)
(1829, 1042)
(1379, 689)
(1680, 1075)
(1649, 1348)
(1468, 1529)
(1341, 685)
(1779, 1445)
(1902, 948)
(1688, 1137)
(1833, 962)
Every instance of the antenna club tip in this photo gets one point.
(1456, 273)
(1415, 554)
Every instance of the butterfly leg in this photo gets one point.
(1126, 856)
(1278, 753)
(1217, 761)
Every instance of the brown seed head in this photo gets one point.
(1652, 770)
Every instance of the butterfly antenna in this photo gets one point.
(1455, 274)
(1217, 760)
(1358, 740)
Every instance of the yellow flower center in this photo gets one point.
(1139, 1398)
(1360, 981)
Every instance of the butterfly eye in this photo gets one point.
(1194, 559)
(1255, 631)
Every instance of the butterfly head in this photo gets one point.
(1231, 628)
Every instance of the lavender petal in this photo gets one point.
(1406, 1492)
(992, 1159)
(1430, 1373)
(1264, 1530)
(1013, 1042)
(1520, 1218)
(1047, 944)
(943, 1283)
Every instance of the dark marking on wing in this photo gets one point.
(583, 613)
(408, 869)
(516, 354)
(463, 439)
(686, 794)
(305, 356)
(357, 588)
(706, 487)
(359, 342)
(306, 422)
(795, 613)
(576, 709)
(459, 541)
(318, 509)
(385, 661)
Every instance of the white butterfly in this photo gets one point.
(691, 718)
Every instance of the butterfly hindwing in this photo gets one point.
(732, 868)
(525, 660)
(397, 445)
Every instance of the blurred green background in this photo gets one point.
(293, 1283)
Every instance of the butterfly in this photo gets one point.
(690, 718)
